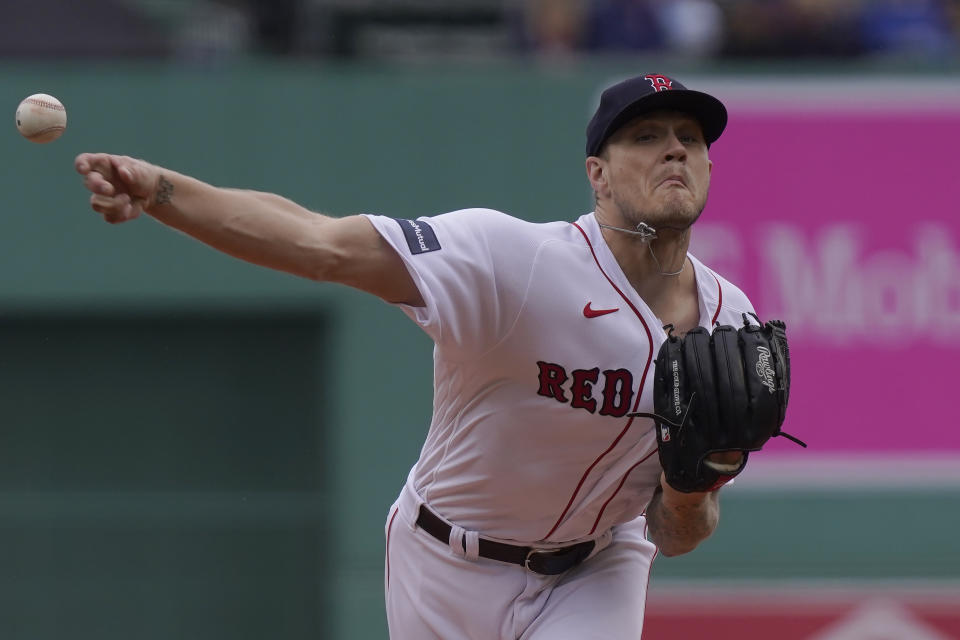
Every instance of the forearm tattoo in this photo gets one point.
(680, 526)
(164, 191)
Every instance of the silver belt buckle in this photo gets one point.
(533, 554)
(539, 560)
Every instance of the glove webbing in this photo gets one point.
(778, 330)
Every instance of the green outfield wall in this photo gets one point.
(193, 447)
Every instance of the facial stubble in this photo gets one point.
(675, 213)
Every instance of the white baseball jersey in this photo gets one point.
(541, 349)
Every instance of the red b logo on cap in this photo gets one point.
(660, 83)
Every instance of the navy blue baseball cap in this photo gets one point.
(626, 100)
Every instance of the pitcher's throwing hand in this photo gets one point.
(120, 187)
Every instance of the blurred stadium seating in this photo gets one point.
(425, 29)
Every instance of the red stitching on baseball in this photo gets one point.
(55, 127)
(48, 105)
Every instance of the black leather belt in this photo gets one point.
(548, 562)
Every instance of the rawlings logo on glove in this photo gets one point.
(764, 370)
(725, 391)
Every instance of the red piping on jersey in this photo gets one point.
(617, 490)
(713, 321)
(643, 380)
(596, 522)
(719, 301)
(389, 529)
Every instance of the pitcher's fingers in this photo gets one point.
(128, 208)
(82, 163)
(134, 175)
(96, 183)
(88, 161)
(119, 167)
(99, 162)
(115, 208)
(103, 204)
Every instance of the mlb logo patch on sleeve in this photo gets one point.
(420, 236)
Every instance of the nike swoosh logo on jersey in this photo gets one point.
(596, 313)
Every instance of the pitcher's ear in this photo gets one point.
(597, 174)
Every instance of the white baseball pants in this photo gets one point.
(433, 591)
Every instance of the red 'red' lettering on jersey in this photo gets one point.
(617, 390)
(660, 83)
(582, 389)
(552, 376)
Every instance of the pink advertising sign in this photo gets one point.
(845, 222)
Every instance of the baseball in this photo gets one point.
(41, 118)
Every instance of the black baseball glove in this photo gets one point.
(725, 391)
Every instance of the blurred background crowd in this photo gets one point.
(206, 30)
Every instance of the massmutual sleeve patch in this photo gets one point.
(420, 236)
